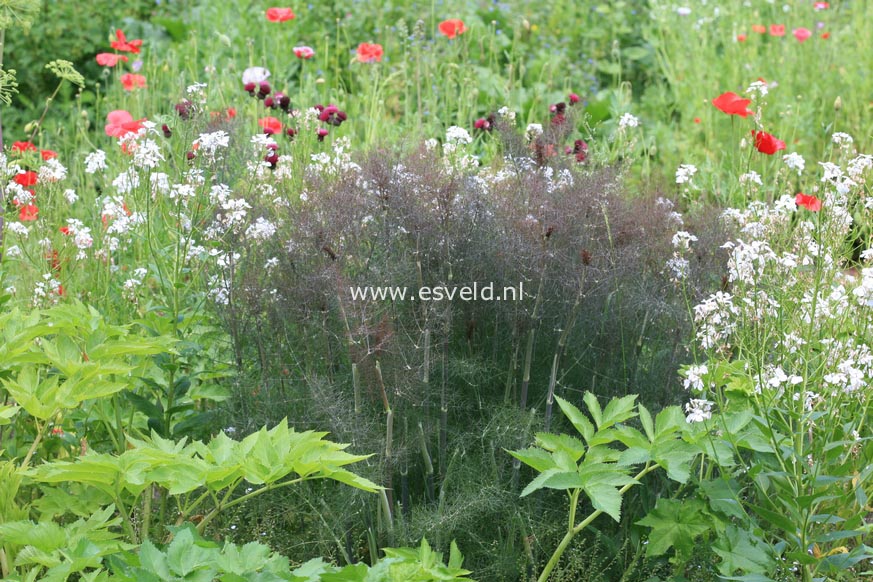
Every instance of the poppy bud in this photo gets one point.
(250, 88)
(322, 133)
(838, 103)
(167, 132)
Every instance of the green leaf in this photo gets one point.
(618, 410)
(535, 457)
(675, 524)
(561, 442)
(579, 421)
(724, 497)
(593, 408)
(646, 421)
(675, 457)
(739, 550)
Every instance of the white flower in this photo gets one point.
(794, 161)
(841, 138)
(255, 75)
(684, 173)
(679, 267)
(506, 113)
(683, 11)
(70, 195)
(753, 177)
(628, 120)
(694, 377)
(261, 230)
(95, 162)
(52, 171)
(212, 142)
(759, 87)
(698, 410)
(683, 239)
(458, 135)
(533, 131)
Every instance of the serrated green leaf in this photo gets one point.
(579, 421)
(593, 408)
(618, 410)
(646, 421)
(535, 457)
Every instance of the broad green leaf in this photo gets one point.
(724, 497)
(675, 457)
(739, 550)
(7, 413)
(675, 524)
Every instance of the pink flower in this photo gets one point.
(802, 34)
(120, 123)
(110, 59)
(304, 52)
(279, 14)
(131, 81)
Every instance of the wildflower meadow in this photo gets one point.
(374, 291)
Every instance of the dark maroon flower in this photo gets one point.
(282, 101)
(272, 158)
(167, 132)
(269, 102)
(250, 88)
(290, 132)
(322, 133)
(272, 147)
(185, 109)
(580, 150)
(573, 98)
(264, 89)
(482, 124)
(558, 108)
(332, 115)
(190, 155)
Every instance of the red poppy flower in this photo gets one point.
(767, 144)
(23, 146)
(121, 44)
(452, 27)
(26, 179)
(696, 120)
(741, 38)
(270, 125)
(48, 154)
(304, 52)
(65, 230)
(802, 34)
(368, 53)
(120, 123)
(811, 203)
(732, 104)
(131, 81)
(821, 5)
(759, 28)
(230, 113)
(777, 30)
(28, 213)
(110, 59)
(825, 35)
(279, 14)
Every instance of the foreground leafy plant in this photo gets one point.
(605, 473)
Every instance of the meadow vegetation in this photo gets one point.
(193, 194)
